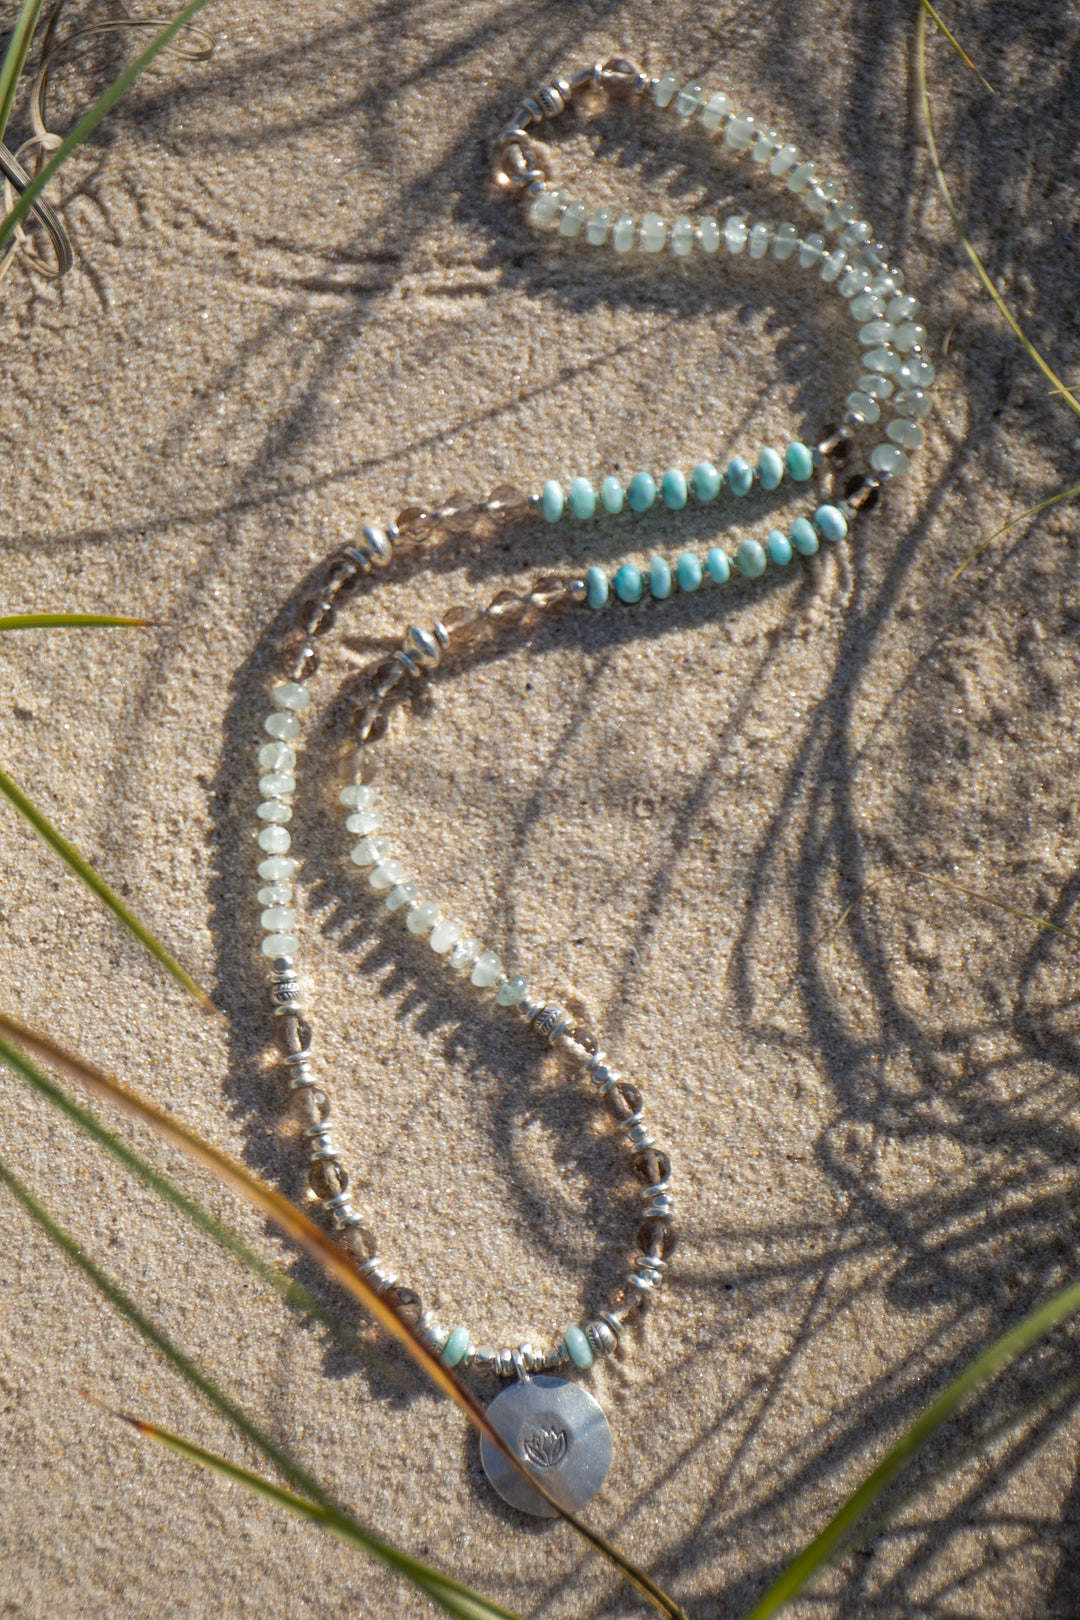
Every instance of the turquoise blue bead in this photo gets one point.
(804, 537)
(717, 564)
(779, 547)
(740, 476)
(688, 572)
(705, 481)
(596, 588)
(751, 559)
(455, 1347)
(578, 1347)
(582, 498)
(611, 493)
(642, 492)
(673, 489)
(799, 462)
(770, 468)
(628, 584)
(659, 578)
(551, 501)
(830, 523)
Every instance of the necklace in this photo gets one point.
(554, 1425)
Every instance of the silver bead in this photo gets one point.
(640, 1137)
(300, 1076)
(480, 1355)
(296, 1060)
(549, 101)
(551, 1021)
(407, 663)
(375, 545)
(578, 590)
(441, 633)
(528, 1008)
(504, 1364)
(659, 1207)
(613, 1320)
(601, 1338)
(286, 998)
(422, 647)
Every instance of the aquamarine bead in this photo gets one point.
(642, 491)
(582, 498)
(611, 493)
(799, 462)
(455, 1347)
(779, 547)
(578, 1347)
(673, 489)
(486, 970)
(751, 559)
(628, 583)
(718, 565)
(659, 578)
(770, 468)
(705, 481)
(551, 501)
(830, 523)
(596, 588)
(422, 919)
(688, 572)
(510, 993)
(740, 476)
(804, 537)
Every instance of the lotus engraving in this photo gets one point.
(544, 1447)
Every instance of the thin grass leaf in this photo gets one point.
(60, 621)
(335, 1262)
(956, 45)
(82, 869)
(322, 1504)
(825, 1546)
(15, 57)
(1002, 905)
(1032, 511)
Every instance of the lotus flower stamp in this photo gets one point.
(544, 1448)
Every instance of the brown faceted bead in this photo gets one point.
(548, 590)
(299, 658)
(863, 492)
(414, 522)
(342, 576)
(506, 607)
(506, 498)
(317, 615)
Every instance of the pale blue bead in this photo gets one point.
(628, 583)
(464, 954)
(573, 219)
(908, 435)
(913, 374)
(735, 233)
(276, 840)
(799, 177)
(582, 498)
(779, 547)
(364, 821)
(887, 361)
(682, 235)
(400, 895)
(551, 501)
(705, 481)
(863, 405)
(708, 234)
(278, 868)
(652, 234)
(830, 523)
(688, 100)
(578, 1347)
(659, 579)
(276, 756)
(642, 491)
(486, 970)
(804, 537)
(369, 850)
(274, 810)
(715, 111)
(867, 307)
(443, 936)
(783, 160)
(510, 993)
(455, 1347)
(290, 695)
(423, 917)
(751, 559)
(903, 308)
(673, 489)
(357, 797)
(688, 572)
(875, 332)
(278, 920)
(280, 945)
(385, 875)
(810, 250)
(285, 727)
(909, 335)
(718, 565)
(799, 461)
(832, 264)
(740, 476)
(543, 209)
(611, 494)
(596, 231)
(275, 894)
(770, 466)
(760, 236)
(596, 588)
(741, 131)
(885, 458)
(785, 241)
(666, 86)
(623, 233)
(914, 403)
(876, 386)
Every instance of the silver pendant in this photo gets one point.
(559, 1432)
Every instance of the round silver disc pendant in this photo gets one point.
(559, 1432)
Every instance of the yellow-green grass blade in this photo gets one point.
(91, 119)
(61, 621)
(15, 57)
(293, 1293)
(1032, 511)
(826, 1545)
(335, 1261)
(328, 1511)
(1002, 905)
(956, 45)
(82, 869)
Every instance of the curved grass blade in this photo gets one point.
(334, 1260)
(60, 621)
(82, 869)
(322, 1505)
(827, 1543)
(1032, 511)
(956, 45)
(15, 57)
(1002, 905)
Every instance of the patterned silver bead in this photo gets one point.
(551, 1021)
(422, 647)
(549, 101)
(601, 1338)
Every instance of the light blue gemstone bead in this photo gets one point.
(718, 565)
(582, 498)
(578, 1347)
(688, 572)
(804, 537)
(799, 462)
(596, 588)
(485, 970)
(455, 1347)
(751, 559)
(830, 523)
(423, 919)
(510, 993)
(673, 489)
(770, 466)
(705, 481)
(779, 547)
(659, 579)
(740, 476)
(642, 492)
(611, 493)
(628, 583)
(551, 501)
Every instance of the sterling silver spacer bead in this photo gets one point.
(422, 647)
(551, 1021)
(407, 663)
(375, 545)
(600, 1336)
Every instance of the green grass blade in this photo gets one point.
(91, 119)
(82, 869)
(15, 57)
(1002, 905)
(956, 45)
(61, 621)
(327, 1508)
(827, 1543)
(1032, 511)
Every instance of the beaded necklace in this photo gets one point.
(553, 1424)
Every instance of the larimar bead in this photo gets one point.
(751, 559)
(682, 235)
(422, 918)
(820, 196)
(887, 283)
(652, 233)
(884, 458)
(455, 1347)
(866, 307)
(735, 233)
(770, 468)
(715, 111)
(855, 282)
(573, 219)
(863, 406)
(443, 936)
(623, 233)
(596, 588)
(841, 214)
(278, 868)
(275, 894)
(551, 501)
(611, 494)
(830, 523)
(799, 461)
(510, 993)
(628, 583)
(688, 572)
(400, 895)
(276, 756)
(858, 231)
(783, 160)
(688, 100)
(908, 435)
(718, 565)
(741, 130)
(914, 403)
(578, 1347)
(486, 970)
(811, 249)
(758, 244)
(275, 840)
(659, 579)
(804, 537)
(596, 231)
(274, 810)
(642, 492)
(673, 489)
(666, 86)
(285, 727)
(779, 547)
(276, 785)
(291, 695)
(708, 234)
(280, 945)
(740, 476)
(582, 498)
(357, 797)
(764, 146)
(705, 481)
(785, 241)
